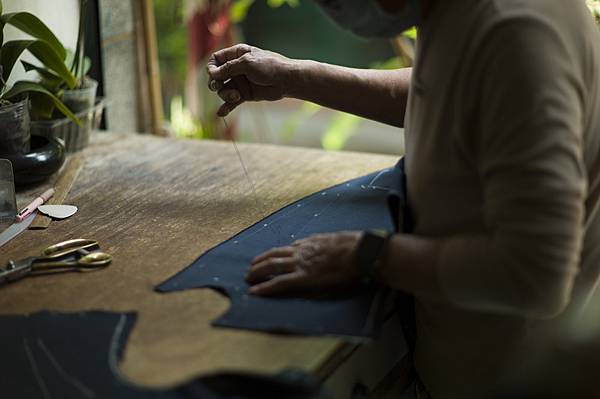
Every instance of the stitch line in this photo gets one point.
(114, 347)
(375, 187)
(36, 371)
(88, 393)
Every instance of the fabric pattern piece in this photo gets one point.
(75, 356)
(357, 204)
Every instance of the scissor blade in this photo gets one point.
(16, 228)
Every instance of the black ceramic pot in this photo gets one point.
(43, 160)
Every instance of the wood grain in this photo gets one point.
(156, 204)
(63, 185)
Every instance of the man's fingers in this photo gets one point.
(230, 95)
(243, 86)
(287, 284)
(228, 70)
(275, 252)
(221, 57)
(226, 108)
(310, 238)
(230, 53)
(227, 54)
(270, 267)
(215, 85)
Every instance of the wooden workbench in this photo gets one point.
(156, 204)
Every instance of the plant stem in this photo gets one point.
(78, 60)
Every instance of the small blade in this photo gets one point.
(16, 228)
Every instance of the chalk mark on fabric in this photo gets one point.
(282, 215)
(326, 209)
(242, 236)
(370, 185)
(113, 361)
(311, 220)
(88, 393)
(36, 371)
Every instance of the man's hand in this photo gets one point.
(321, 265)
(245, 73)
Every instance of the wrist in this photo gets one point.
(410, 265)
(296, 77)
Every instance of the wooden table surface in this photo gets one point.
(156, 204)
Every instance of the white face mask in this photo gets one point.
(366, 17)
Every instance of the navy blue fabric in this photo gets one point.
(53, 355)
(357, 204)
(75, 356)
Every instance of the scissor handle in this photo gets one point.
(15, 270)
(67, 247)
(88, 262)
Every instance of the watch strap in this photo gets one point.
(370, 248)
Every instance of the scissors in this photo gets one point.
(72, 255)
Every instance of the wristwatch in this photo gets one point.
(369, 250)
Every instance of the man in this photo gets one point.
(502, 122)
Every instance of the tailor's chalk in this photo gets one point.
(58, 211)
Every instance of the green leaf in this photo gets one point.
(297, 118)
(395, 62)
(50, 59)
(239, 10)
(42, 51)
(411, 33)
(23, 86)
(342, 127)
(33, 26)
(87, 63)
(279, 3)
(43, 72)
(9, 54)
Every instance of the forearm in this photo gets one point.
(409, 265)
(522, 276)
(380, 95)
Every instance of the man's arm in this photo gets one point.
(380, 95)
(245, 73)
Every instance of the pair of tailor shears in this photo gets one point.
(73, 255)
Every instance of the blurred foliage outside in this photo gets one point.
(594, 6)
(270, 16)
(172, 43)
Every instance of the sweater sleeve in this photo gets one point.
(528, 154)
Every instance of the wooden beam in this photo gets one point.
(150, 96)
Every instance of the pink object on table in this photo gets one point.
(46, 195)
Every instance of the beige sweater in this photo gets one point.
(503, 164)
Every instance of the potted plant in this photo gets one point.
(83, 96)
(80, 98)
(14, 101)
